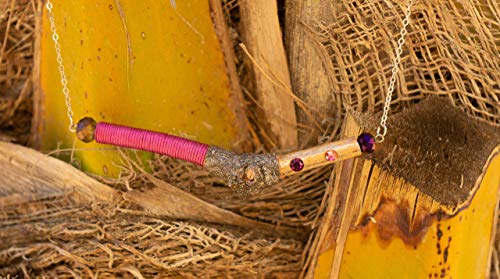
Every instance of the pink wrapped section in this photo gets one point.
(156, 142)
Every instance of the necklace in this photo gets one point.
(245, 172)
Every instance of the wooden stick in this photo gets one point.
(245, 172)
(237, 101)
(319, 155)
(263, 38)
(250, 173)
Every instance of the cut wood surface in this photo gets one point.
(28, 175)
(380, 225)
(262, 36)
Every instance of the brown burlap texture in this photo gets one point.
(451, 49)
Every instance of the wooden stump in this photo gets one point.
(423, 206)
(310, 66)
(262, 36)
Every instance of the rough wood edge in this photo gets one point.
(343, 202)
(262, 36)
(338, 200)
(354, 207)
(343, 187)
(494, 228)
(36, 120)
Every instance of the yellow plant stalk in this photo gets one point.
(456, 246)
(381, 226)
(150, 64)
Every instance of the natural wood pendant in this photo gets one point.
(247, 173)
(319, 155)
(421, 207)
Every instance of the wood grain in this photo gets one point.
(237, 101)
(28, 176)
(315, 157)
(309, 64)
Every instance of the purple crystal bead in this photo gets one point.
(366, 142)
(296, 164)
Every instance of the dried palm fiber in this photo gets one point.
(294, 206)
(340, 55)
(340, 59)
(17, 24)
(294, 202)
(59, 222)
(53, 209)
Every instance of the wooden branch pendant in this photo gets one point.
(423, 205)
(318, 156)
(247, 173)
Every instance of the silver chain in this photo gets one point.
(382, 128)
(64, 81)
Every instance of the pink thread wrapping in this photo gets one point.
(156, 142)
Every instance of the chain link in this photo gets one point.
(382, 129)
(64, 81)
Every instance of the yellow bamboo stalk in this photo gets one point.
(156, 65)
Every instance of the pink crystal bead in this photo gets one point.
(331, 155)
(296, 164)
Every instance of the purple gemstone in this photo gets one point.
(366, 142)
(296, 164)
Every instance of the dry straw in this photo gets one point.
(17, 27)
(452, 50)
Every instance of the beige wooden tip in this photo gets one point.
(315, 157)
